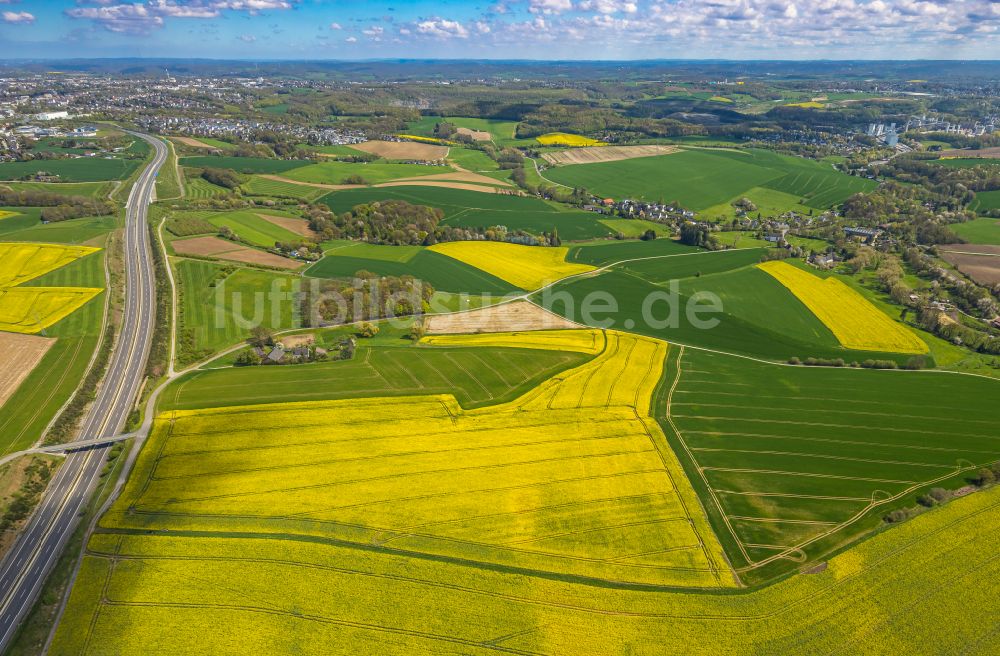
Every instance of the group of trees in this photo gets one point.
(58, 207)
(694, 234)
(395, 222)
(367, 297)
(913, 213)
(223, 177)
(399, 223)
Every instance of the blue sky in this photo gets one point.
(517, 29)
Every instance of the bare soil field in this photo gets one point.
(293, 341)
(446, 180)
(457, 176)
(598, 154)
(508, 317)
(981, 263)
(403, 150)
(22, 353)
(986, 153)
(317, 185)
(298, 226)
(193, 143)
(475, 135)
(444, 185)
(227, 250)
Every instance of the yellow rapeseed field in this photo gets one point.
(572, 478)
(21, 262)
(4, 214)
(32, 309)
(577, 341)
(910, 590)
(856, 323)
(566, 139)
(528, 267)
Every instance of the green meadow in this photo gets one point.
(805, 460)
(244, 164)
(704, 179)
(81, 169)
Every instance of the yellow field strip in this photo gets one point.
(856, 323)
(528, 267)
(573, 477)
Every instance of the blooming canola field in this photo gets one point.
(29, 309)
(855, 322)
(528, 267)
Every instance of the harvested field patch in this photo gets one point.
(606, 154)
(979, 262)
(21, 354)
(442, 184)
(408, 150)
(475, 135)
(982, 153)
(227, 250)
(855, 322)
(528, 267)
(507, 317)
(315, 185)
(293, 341)
(457, 176)
(298, 226)
(193, 143)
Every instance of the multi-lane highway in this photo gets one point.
(26, 565)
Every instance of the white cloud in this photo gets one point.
(549, 7)
(442, 29)
(143, 17)
(21, 17)
(336, 26)
(351, 39)
(609, 6)
(247, 38)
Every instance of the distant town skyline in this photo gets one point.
(522, 29)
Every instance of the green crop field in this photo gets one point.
(472, 160)
(87, 189)
(337, 172)
(769, 202)
(807, 472)
(473, 209)
(502, 131)
(245, 164)
(604, 253)
(26, 225)
(703, 179)
(257, 186)
(634, 227)
(219, 305)
(979, 231)
(25, 415)
(986, 201)
(251, 227)
(198, 188)
(476, 377)
(82, 169)
(440, 271)
(673, 282)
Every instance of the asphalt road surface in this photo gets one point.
(24, 569)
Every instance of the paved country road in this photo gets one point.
(24, 569)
